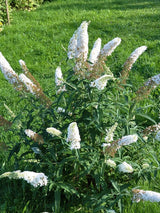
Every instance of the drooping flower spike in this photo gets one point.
(33, 178)
(9, 73)
(145, 196)
(53, 131)
(101, 82)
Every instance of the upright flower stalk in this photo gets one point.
(109, 48)
(59, 80)
(73, 136)
(95, 52)
(130, 61)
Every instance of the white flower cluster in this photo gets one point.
(33, 178)
(134, 56)
(145, 196)
(126, 140)
(153, 81)
(101, 82)
(59, 80)
(30, 86)
(53, 131)
(110, 133)
(30, 133)
(109, 47)
(125, 167)
(111, 163)
(73, 136)
(95, 51)
(7, 71)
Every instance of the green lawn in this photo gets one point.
(38, 37)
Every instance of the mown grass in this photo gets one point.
(39, 38)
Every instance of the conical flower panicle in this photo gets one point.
(59, 80)
(126, 140)
(53, 131)
(34, 136)
(95, 51)
(28, 74)
(81, 52)
(9, 73)
(30, 87)
(72, 46)
(130, 61)
(73, 136)
(109, 48)
(125, 167)
(145, 196)
(110, 133)
(33, 178)
(82, 42)
(101, 82)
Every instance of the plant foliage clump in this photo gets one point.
(93, 139)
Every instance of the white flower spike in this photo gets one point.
(125, 168)
(100, 83)
(33, 178)
(73, 136)
(53, 131)
(145, 196)
(126, 140)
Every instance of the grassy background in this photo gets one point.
(38, 37)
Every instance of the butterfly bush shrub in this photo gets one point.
(89, 146)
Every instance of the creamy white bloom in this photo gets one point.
(101, 82)
(82, 42)
(95, 51)
(111, 163)
(110, 133)
(158, 136)
(125, 167)
(30, 86)
(145, 196)
(126, 140)
(58, 76)
(30, 133)
(59, 80)
(60, 109)
(53, 131)
(134, 56)
(145, 165)
(22, 63)
(109, 47)
(7, 71)
(72, 46)
(106, 145)
(33, 178)
(73, 136)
